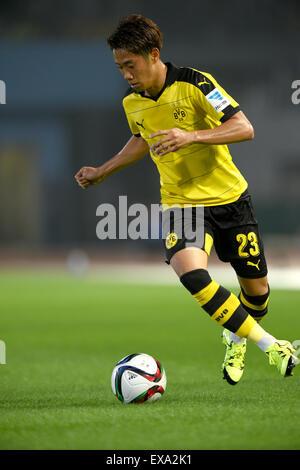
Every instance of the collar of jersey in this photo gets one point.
(172, 74)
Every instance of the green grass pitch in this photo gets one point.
(64, 335)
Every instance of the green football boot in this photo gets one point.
(281, 355)
(234, 362)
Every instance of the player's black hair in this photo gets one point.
(136, 34)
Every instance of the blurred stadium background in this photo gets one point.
(68, 311)
(63, 110)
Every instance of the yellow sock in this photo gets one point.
(225, 308)
(256, 333)
(260, 337)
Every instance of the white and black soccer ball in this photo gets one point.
(138, 378)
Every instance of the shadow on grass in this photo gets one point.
(54, 403)
(62, 397)
(212, 393)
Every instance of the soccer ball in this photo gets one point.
(138, 378)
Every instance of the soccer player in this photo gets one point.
(187, 119)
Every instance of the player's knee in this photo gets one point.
(255, 305)
(196, 280)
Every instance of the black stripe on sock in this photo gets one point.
(236, 319)
(195, 280)
(258, 315)
(256, 299)
(254, 313)
(216, 301)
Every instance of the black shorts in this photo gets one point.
(233, 230)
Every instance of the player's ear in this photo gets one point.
(155, 54)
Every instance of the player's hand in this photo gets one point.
(173, 140)
(87, 176)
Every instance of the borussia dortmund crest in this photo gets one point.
(171, 240)
(179, 114)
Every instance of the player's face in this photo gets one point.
(136, 69)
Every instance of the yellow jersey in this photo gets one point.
(190, 100)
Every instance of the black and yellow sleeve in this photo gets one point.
(214, 100)
(208, 95)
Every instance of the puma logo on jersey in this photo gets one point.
(141, 124)
(203, 83)
(253, 264)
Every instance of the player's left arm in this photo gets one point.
(236, 129)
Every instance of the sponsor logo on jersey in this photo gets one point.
(217, 100)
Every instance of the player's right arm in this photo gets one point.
(135, 149)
